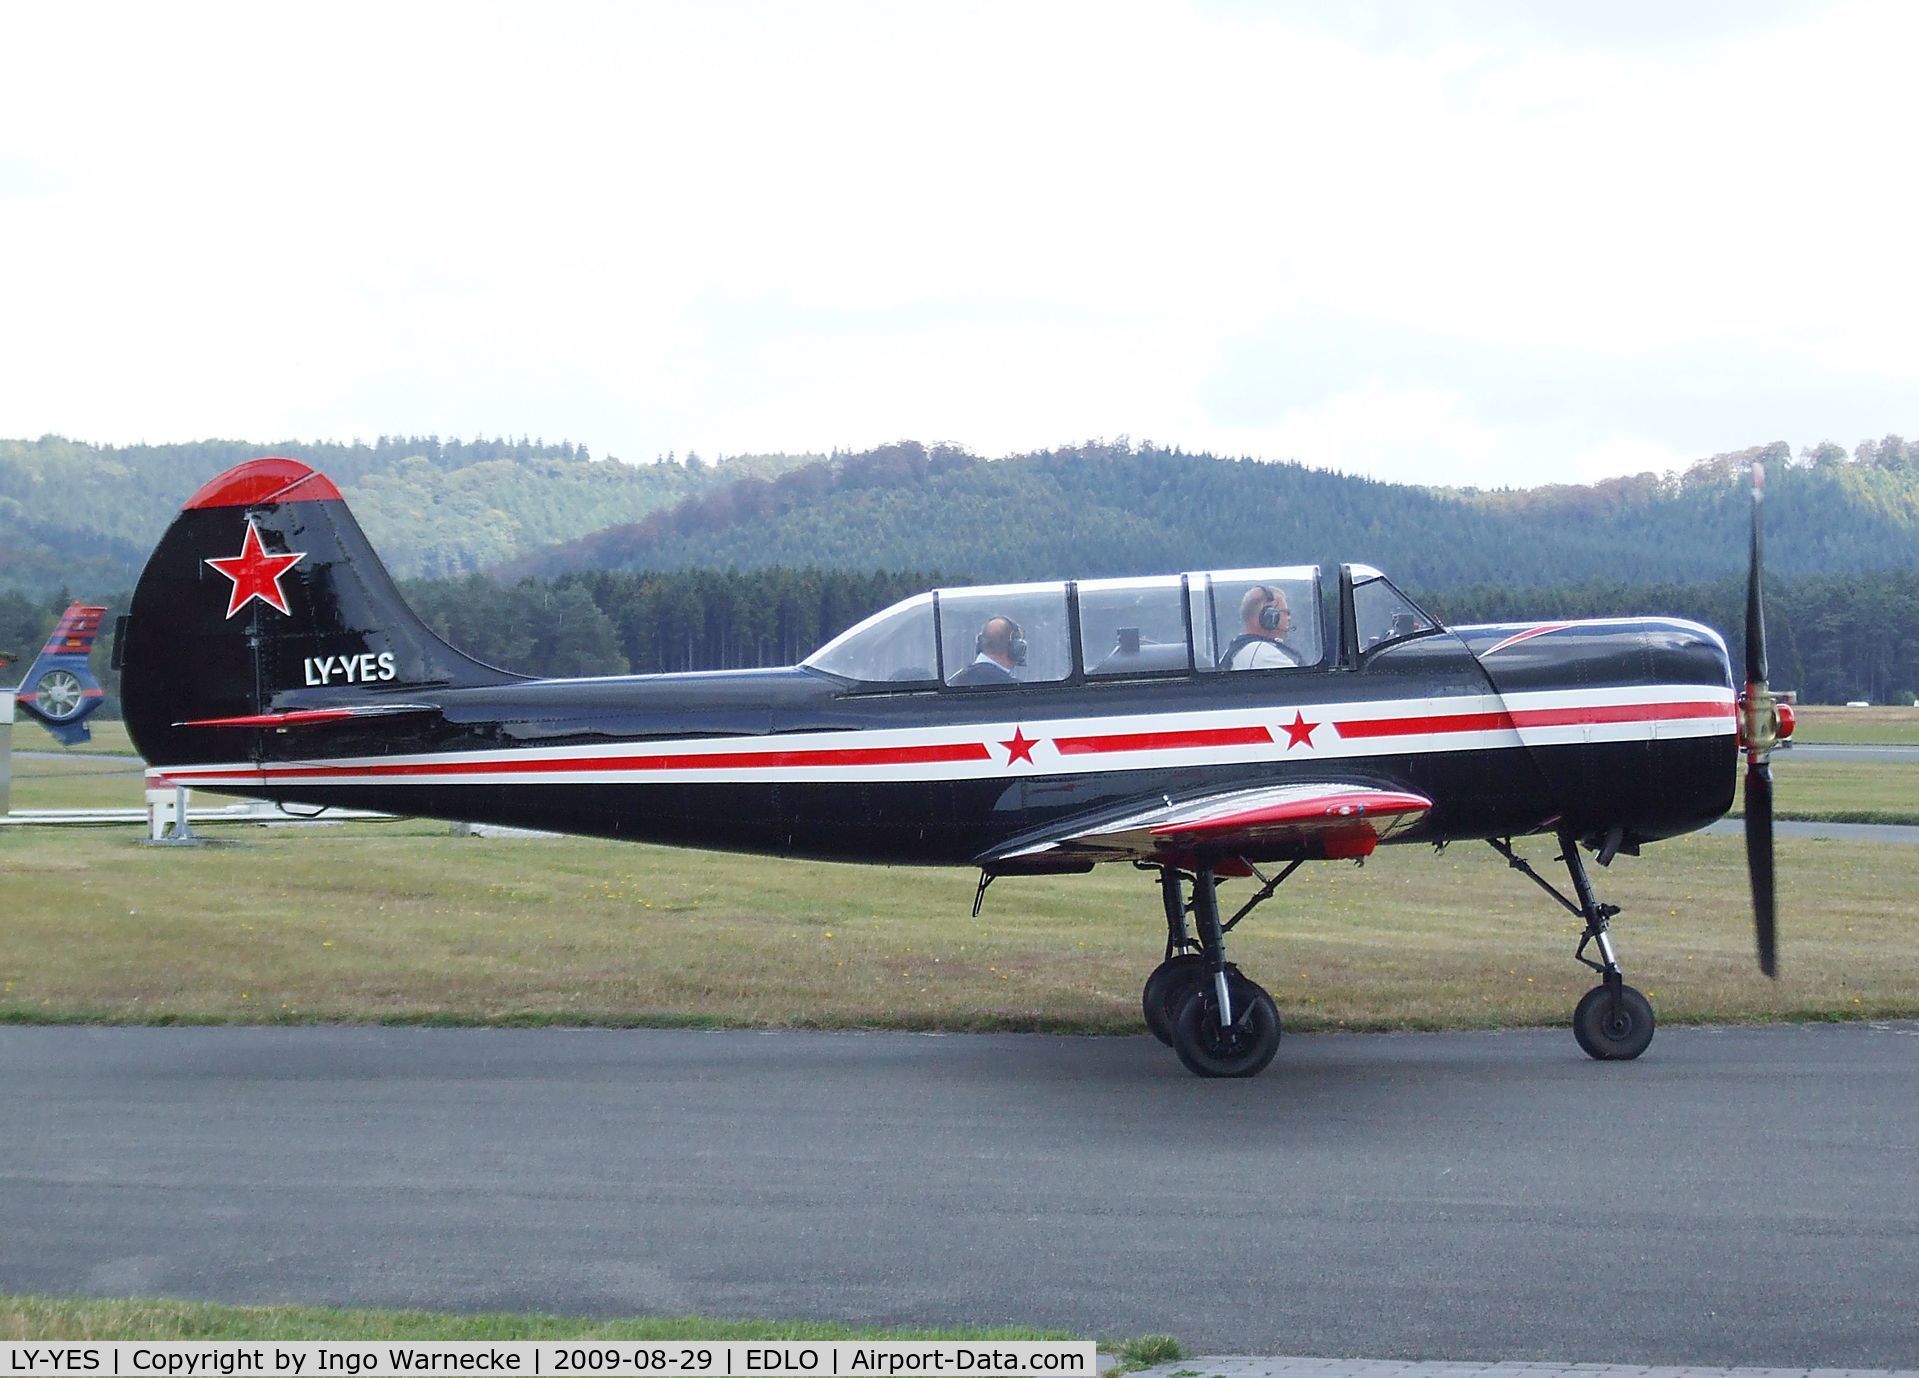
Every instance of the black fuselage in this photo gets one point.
(792, 762)
(268, 653)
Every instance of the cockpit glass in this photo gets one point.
(894, 646)
(1256, 619)
(1012, 634)
(1381, 613)
(1132, 626)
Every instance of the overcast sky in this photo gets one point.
(1462, 243)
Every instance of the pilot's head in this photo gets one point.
(1002, 640)
(1263, 612)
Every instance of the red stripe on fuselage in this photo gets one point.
(1530, 717)
(1440, 731)
(1163, 741)
(729, 760)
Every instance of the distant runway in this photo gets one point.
(1739, 1196)
(1903, 833)
(1908, 755)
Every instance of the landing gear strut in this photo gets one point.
(1219, 1022)
(1612, 1022)
(1182, 971)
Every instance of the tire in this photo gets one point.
(1167, 988)
(1613, 1024)
(1241, 1051)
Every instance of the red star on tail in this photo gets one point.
(256, 574)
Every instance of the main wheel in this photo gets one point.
(1613, 1023)
(1241, 1050)
(1167, 988)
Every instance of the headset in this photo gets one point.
(1015, 639)
(1269, 615)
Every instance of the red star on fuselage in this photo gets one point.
(1298, 731)
(1020, 748)
(256, 574)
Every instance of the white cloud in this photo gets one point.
(753, 226)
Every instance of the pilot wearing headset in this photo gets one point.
(1261, 645)
(1001, 646)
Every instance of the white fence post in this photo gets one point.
(167, 810)
(6, 747)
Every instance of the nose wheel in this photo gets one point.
(1613, 1022)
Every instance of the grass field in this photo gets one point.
(44, 1318)
(402, 921)
(1842, 791)
(77, 782)
(79, 779)
(405, 923)
(1819, 723)
(109, 738)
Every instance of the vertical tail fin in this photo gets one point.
(59, 688)
(265, 597)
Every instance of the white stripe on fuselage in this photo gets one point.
(1329, 731)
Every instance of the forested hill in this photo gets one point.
(1107, 510)
(84, 517)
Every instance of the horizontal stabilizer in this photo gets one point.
(314, 717)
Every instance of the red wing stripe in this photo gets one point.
(731, 760)
(1163, 741)
(1531, 717)
(1322, 811)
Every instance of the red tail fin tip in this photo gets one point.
(272, 479)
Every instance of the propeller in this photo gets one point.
(1763, 722)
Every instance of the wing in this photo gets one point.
(1264, 823)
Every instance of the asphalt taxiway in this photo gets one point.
(1738, 1196)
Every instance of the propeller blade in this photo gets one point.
(1755, 603)
(1759, 860)
(1760, 724)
